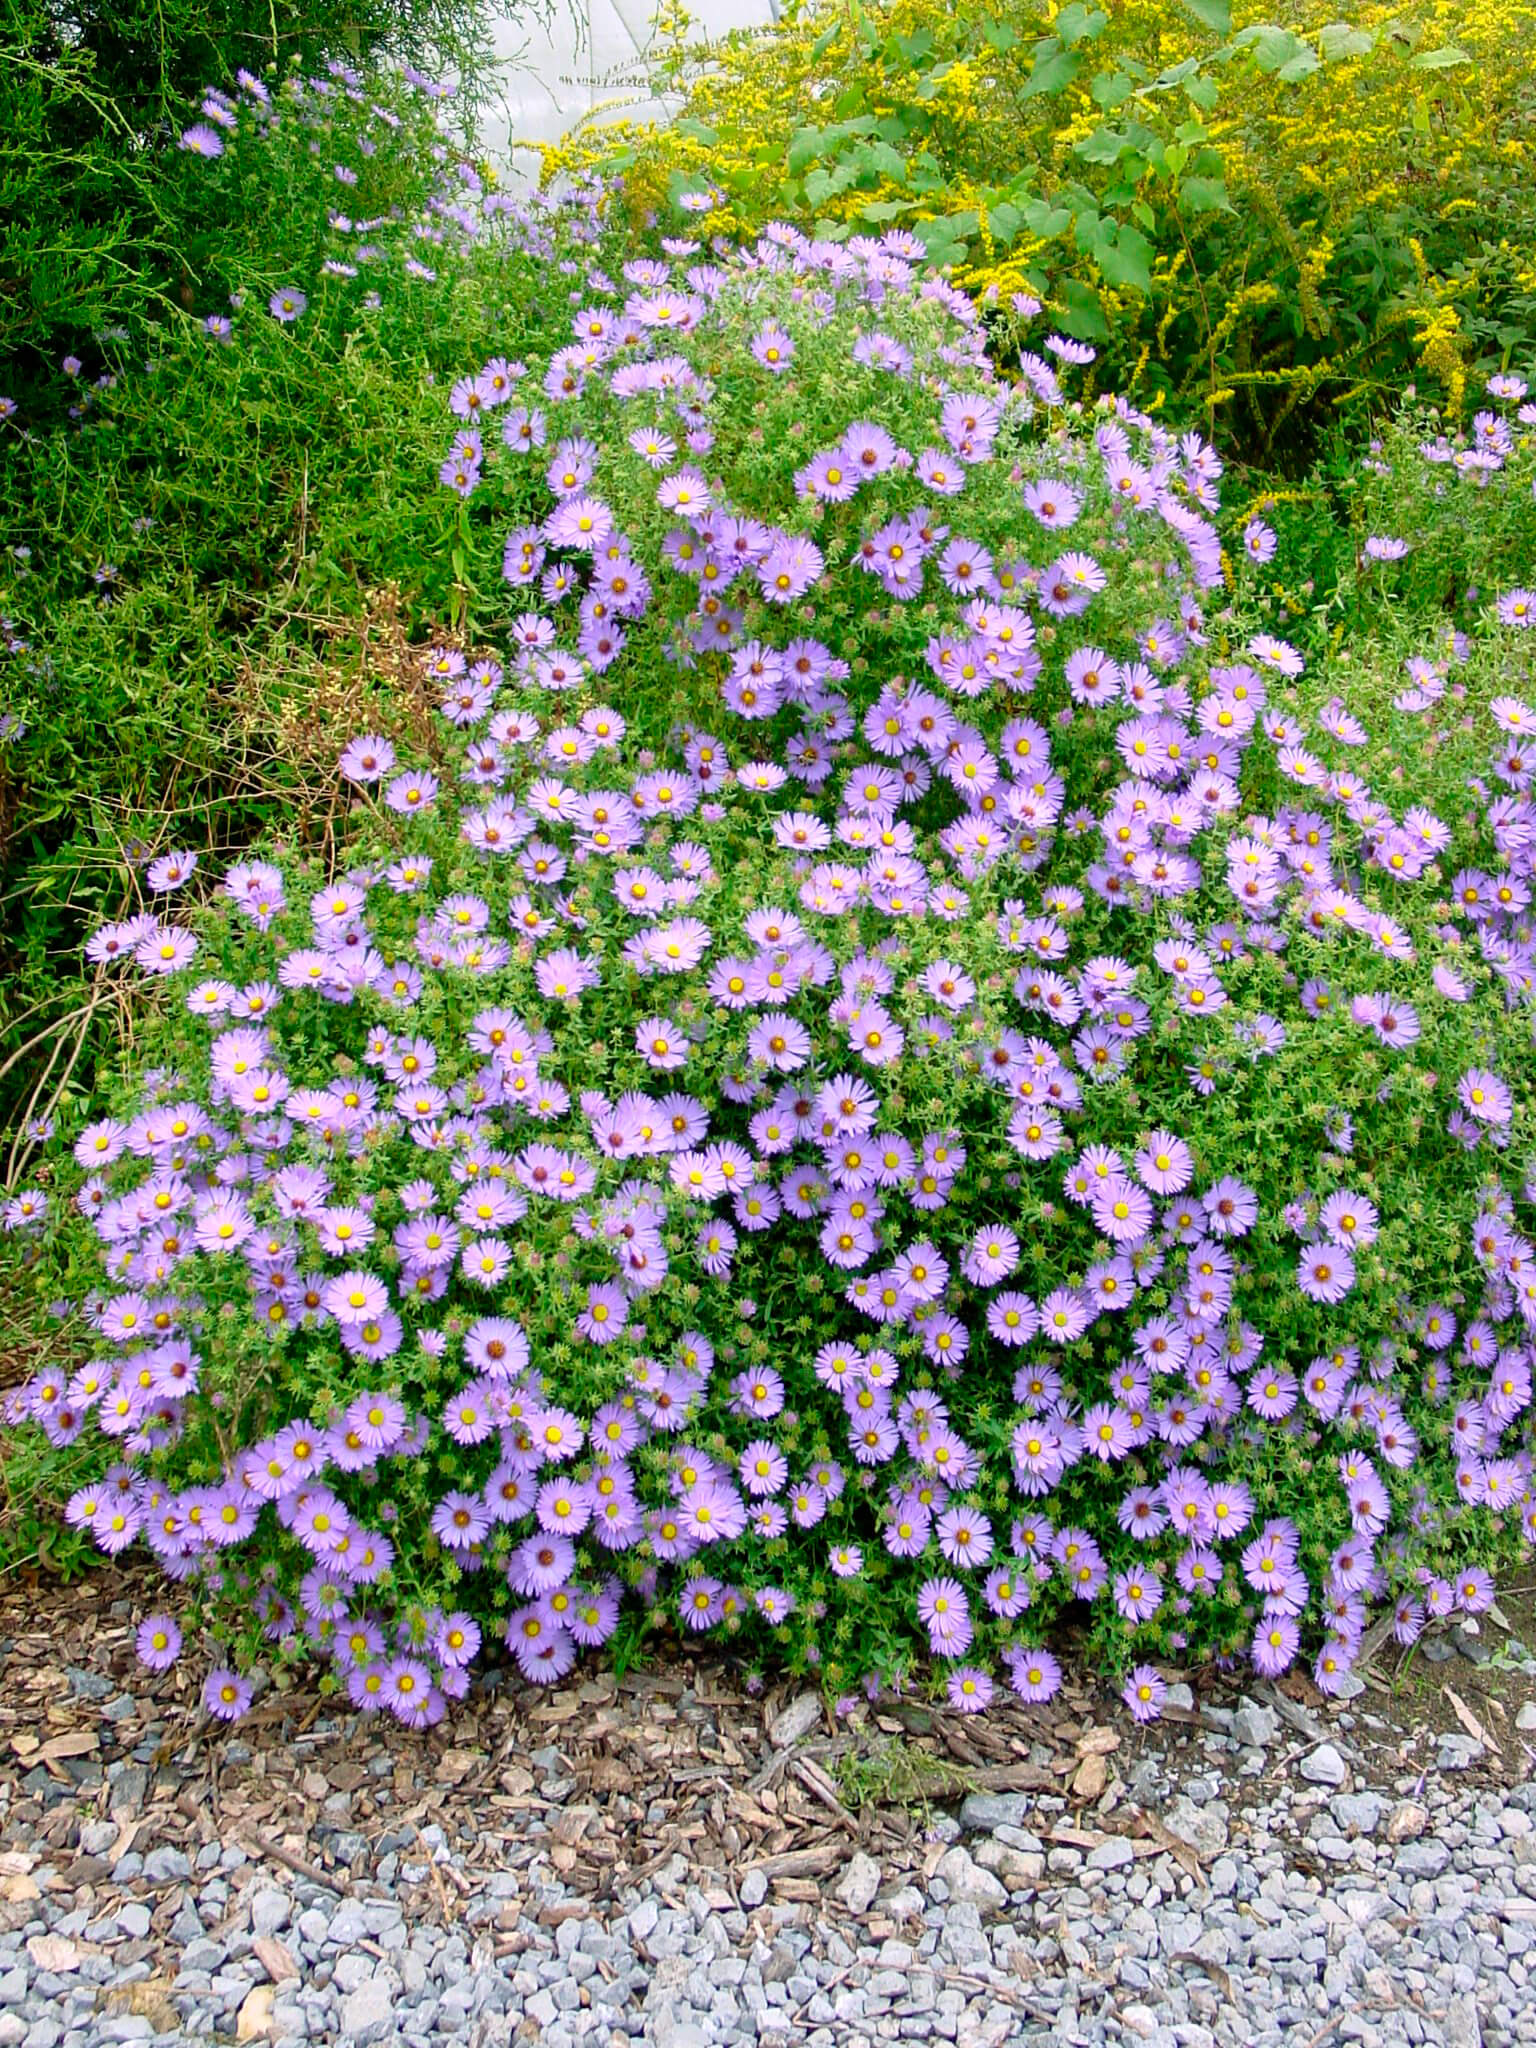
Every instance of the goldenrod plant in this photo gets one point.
(1260, 209)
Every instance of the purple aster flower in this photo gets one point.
(970, 1690)
(773, 348)
(158, 1642)
(945, 1612)
(1137, 1594)
(605, 1315)
(1326, 1273)
(226, 1695)
(1034, 1675)
(1144, 1693)
(1276, 1641)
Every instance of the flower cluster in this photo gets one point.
(776, 1116)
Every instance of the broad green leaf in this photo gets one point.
(1204, 92)
(1302, 65)
(1111, 89)
(1045, 221)
(804, 148)
(1079, 24)
(1103, 146)
(1084, 317)
(1003, 222)
(1216, 15)
(1053, 68)
(1177, 74)
(1440, 60)
(696, 131)
(916, 48)
(1338, 41)
(1127, 260)
(1204, 195)
(997, 35)
(941, 241)
(1271, 46)
(884, 209)
(822, 184)
(879, 159)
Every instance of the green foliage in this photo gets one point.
(1267, 219)
(195, 542)
(103, 220)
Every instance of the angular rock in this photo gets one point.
(1324, 1766)
(1423, 1859)
(969, 1884)
(1114, 1854)
(1358, 1813)
(1017, 1868)
(1408, 1822)
(858, 1884)
(1255, 1725)
(253, 2022)
(1205, 1831)
(1463, 2028)
(367, 2014)
(984, 1811)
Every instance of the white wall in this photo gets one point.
(588, 56)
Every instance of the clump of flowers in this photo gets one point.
(899, 1072)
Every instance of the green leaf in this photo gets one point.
(1003, 222)
(804, 148)
(696, 131)
(915, 48)
(1084, 317)
(1079, 24)
(1204, 195)
(1126, 261)
(883, 209)
(1045, 221)
(1204, 92)
(1177, 74)
(1440, 60)
(822, 184)
(1272, 47)
(1053, 68)
(1338, 41)
(879, 160)
(997, 35)
(1111, 89)
(941, 239)
(1302, 65)
(1103, 146)
(1216, 15)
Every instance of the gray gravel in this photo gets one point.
(1289, 1901)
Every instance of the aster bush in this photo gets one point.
(898, 1068)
